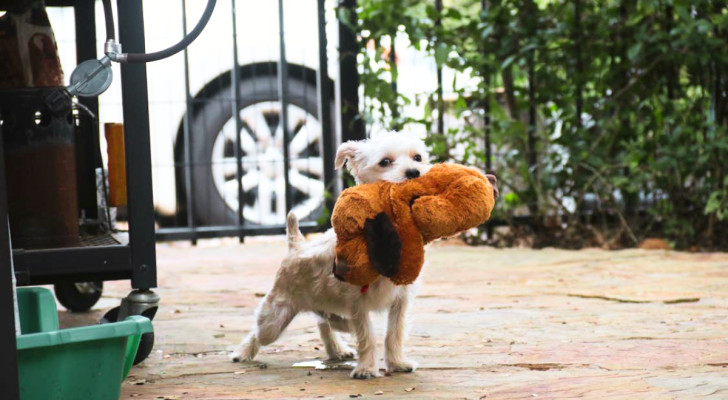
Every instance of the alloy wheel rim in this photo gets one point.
(261, 148)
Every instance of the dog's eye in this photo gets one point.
(417, 158)
(386, 162)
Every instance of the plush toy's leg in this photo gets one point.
(384, 245)
(366, 345)
(272, 318)
(335, 349)
(396, 331)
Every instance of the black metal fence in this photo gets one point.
(256, 143)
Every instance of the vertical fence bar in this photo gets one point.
(395, 76)
(486, 103)
(283, 96)
(235, 72)
(440, 101)
(532, 157)
(352, 125)
(486, 117)
(188, 137)
(531, 20)
(324, 105)
(486, 121)
(579, 66)
(670, 75)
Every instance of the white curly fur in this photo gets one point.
(305, 281)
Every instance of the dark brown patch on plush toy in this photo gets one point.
(383, 245)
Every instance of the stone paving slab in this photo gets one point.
(487, 324)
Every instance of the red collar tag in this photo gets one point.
(364, 289)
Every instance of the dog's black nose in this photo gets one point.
(412, 173)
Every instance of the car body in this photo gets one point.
(210, 60)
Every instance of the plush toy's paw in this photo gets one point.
(365, 372)
(401, 366)
(384, 245)
(493, 182)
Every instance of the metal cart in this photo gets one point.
(108, 257)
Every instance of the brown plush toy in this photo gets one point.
(402, 218)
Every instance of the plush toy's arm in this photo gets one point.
(465, 203)
(353, 209)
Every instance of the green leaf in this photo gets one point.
(634, 51)
(508, 61)
(512, 198)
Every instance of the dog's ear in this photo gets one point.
(346, 152)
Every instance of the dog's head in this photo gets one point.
(391, 157)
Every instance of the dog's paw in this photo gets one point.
(345, 353)
(365, 372)
(243, 354)
(238, 357)
(401, 366)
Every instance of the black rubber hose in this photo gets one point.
(109, 19)
(149, 57)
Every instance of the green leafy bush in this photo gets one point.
(607, 118)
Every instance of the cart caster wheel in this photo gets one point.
(110, 316)
(78, 296)
(146, 343)
(145, 347)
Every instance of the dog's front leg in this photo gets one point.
(396, 331)
(366, 345)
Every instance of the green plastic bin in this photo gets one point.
(87, 363)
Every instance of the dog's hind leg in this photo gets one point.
(339, 324)
(335, 349)
(272, 318)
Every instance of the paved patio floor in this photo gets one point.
(487, 324)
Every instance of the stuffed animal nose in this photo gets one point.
(412, 173)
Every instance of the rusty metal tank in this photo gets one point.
(38, 136)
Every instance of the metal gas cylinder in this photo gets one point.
(38, 135)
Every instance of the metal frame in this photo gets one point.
(137, 259)
(88, 152)
(139, 170)
(9, 389)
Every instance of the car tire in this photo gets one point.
(211, 206)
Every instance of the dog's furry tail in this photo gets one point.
(294, 234)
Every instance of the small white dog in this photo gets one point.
(305, 281)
